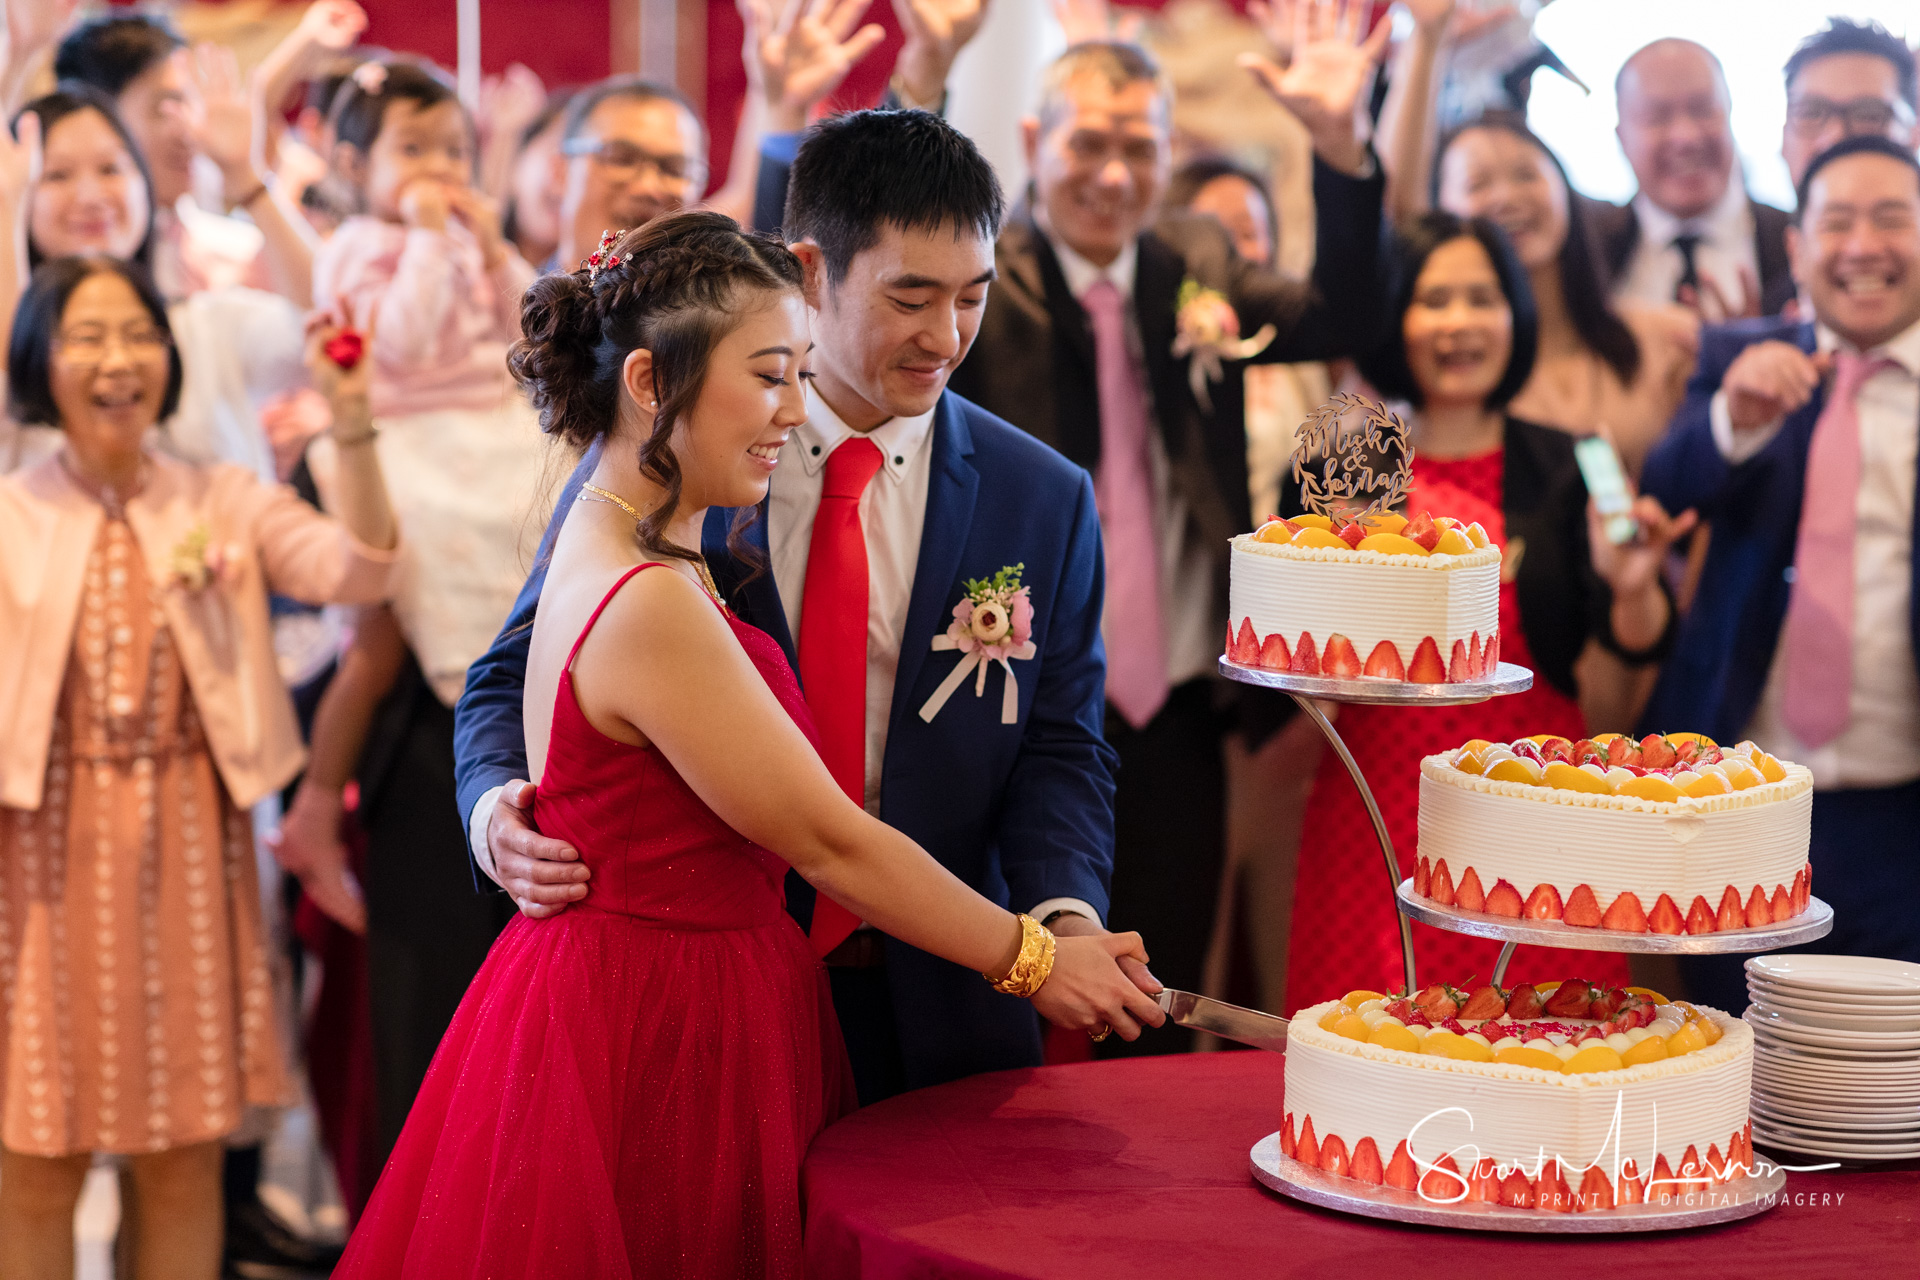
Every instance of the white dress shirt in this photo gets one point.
(1187, 590)
(893, 513)
(1725, 251)
(1880, 746)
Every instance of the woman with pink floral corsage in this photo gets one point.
(141, 715)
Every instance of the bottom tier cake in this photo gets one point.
(1521, 1108)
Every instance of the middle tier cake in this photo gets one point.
(1670, 834)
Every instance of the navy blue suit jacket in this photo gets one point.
(1713, 681)
(1021, 812)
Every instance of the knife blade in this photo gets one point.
(1228, 1021)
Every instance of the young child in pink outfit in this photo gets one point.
(425, 271)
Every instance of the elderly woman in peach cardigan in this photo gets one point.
(141, 715)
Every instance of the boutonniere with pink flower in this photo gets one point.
(1207, 328)
(992, 623)
(198, 562)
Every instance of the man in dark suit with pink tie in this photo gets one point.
(1798, 443)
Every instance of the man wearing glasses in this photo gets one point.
(1849, 79)
(630, 151)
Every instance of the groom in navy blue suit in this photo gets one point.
(894, 215)
(1798, 443)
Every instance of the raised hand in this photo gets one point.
(32, 25)
(801, 53)
(19, 161)
(1083, 19)
(482, 218)
(344, 388)
(332, 25)
(426, 203)
(225, 125)
(936, 32)
(1328, 60)
(509, 102)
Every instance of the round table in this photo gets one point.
(1138, 1168)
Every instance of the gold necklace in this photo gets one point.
(699, 563)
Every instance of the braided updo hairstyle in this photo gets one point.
(683, 281)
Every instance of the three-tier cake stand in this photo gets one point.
(1726, 1202)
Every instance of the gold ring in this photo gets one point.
(1101, 1034)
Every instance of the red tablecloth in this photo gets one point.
(1138, 1168)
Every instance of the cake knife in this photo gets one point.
(1228, 1021)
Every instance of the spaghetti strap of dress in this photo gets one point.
(601, 608)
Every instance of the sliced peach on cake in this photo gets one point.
(1593, 1057)
(1392, 1035)
(1359, 996)
(1650, 1049)
(1476, 535)
(1562, 776)
(1392, 544)
(1279, 531)
(1688, 1039)
(1452, 542)
(1314, 520)
(1521, 1056)
(1384, 522)
(1314, 536)
(1707, 782)
(1650, 787)
(1469, 761)
(1517, 769)
(1770, 769)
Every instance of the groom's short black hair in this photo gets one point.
(858, 171)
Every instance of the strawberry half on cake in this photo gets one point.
(1564, 1097)
(1387, 597)
(1668, 834)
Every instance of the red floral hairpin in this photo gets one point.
(345, 348)
(603, 256)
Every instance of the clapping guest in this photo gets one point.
(1077, 346)
(1464, 333)
(1692, 234)
(1797, 441)
(147, 716)
(1847, 80)
(180, 106)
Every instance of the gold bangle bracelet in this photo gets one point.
(1032, 965)
(365, 437)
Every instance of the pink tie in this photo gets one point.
(1819, 677)
(1123, 490)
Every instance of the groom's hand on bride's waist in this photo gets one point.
(541, 874)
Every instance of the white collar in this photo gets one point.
(1658, 227)
(1903, 348)
(1082, 275)
(823, 431)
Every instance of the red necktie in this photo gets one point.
(833, 644)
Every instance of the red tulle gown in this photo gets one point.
(1346, 932)
(628, 1087)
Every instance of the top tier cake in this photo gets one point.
(1391, 598)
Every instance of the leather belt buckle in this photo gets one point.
(863, 949)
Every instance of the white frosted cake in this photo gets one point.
(1568, 1113)
(1392, 599)
(1670, 834)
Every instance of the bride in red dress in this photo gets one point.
(629, 1087)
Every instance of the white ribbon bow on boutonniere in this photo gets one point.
(994, 623)
(1207, 328)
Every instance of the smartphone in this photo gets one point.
(1607, 482)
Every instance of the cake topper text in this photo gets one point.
(1352, 458)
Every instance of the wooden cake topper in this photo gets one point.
(1352, 458)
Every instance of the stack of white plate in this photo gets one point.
(1836, 1063)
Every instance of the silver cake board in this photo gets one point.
(1726, 1202)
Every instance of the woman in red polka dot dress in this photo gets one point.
(1463, 346)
